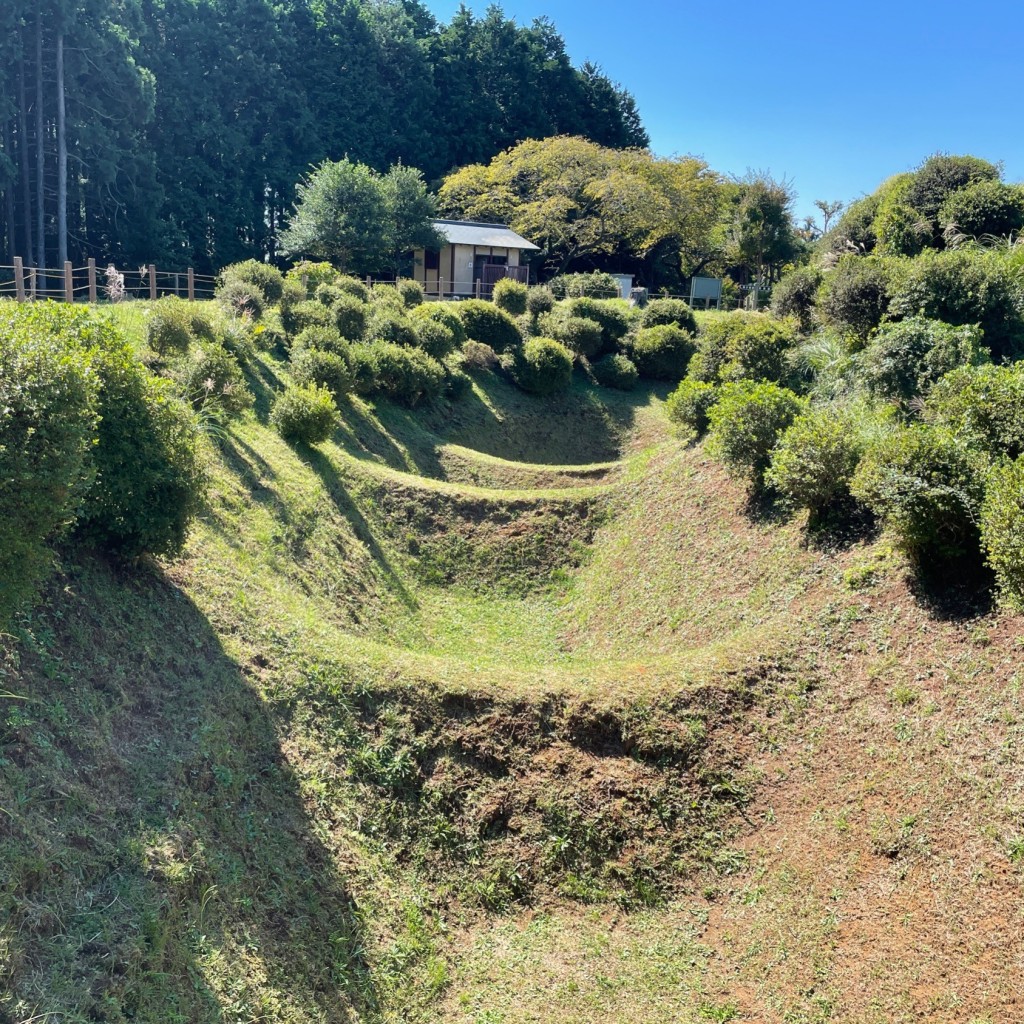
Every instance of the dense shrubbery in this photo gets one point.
(746, 423)
(483, 321)
(352, 286)
(741, 346)
(905, 359)
(437, 339)
(616, 371)
(543, 366)
(314, 275)
(510, 295)
(305, 414)
(795, 294)
(240, 298)
(669, 311)
(390, 325)
(479, 356)
(169, 326)
(578, 334)
(328, 369)
(984, 208)
(327, 339)
(539, 299)
(1002, 529)
(411, 292)
(984, 406)
(926, 484)
(212, 381)
(308, 313)
(443, 313)
(614, 317)
(689, 407)
(406, 375)
(855, 296)
(267, 279)
(662, 353)
(350, 316)
(595, 285)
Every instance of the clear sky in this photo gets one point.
(835, 96)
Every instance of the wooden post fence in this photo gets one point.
(92, 281)
(69, 282)
(152, 282)
(19, 278)
(191, 285)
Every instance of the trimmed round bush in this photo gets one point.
(795, 294)
(743, 346)
(292, 294)
(269, 280)
(689, 406)
(479, 356)
(745, 425)
(483, 321)
(510, 295)
(362, 364)
(855, 295)
(150, 474)
(350, 316)
(354, 287)
(539, 299)
(579, 335)
(315, 274)
(927, 486)
(390, 325)
(169, 326)
(309, 313)
(815, 459)
(327, 339)
(983, 405)
(305, 414)
(613, 315)
(1002, 529)
(941, 175)
(328, 294)
(669, 311)
(594, 285)
(435, 338)
(329, 369)
(984, 208)
(905, 359)
(411, 292)
(48, 398)
(543, 367)
(406, 375)
(240, 298)
(387, 296)
(663, 352)
(442, 313)
(616, 371)
(211, 380)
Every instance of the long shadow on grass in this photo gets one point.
(264, 385)
(955, 592)
(338, 491)
(162, 865)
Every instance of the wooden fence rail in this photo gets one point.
(93, 284)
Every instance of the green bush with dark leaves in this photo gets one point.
(594, 285)
(661, 353)
(984, 208)
(305, 414)
(669, 311)
(350, 316)
(855, 295)
(689, 407)
(328, 294)
(743, 346)
(616, 371)
(578, 334)
(443, 313)
(539, 299)
(437, 339)
(746, 423)
(169, 326)
(983, 405)
(510, 295)
(543, 367)
(269, 280)
(308, 313)
(1002, 529)
(794, 296)
(210, 379)
(614, 316)
(483, 321)
(411, 292)
(927, 486)
(240, 298)
(407, 375)
(327, 339)
(328, 369)
(390, 325)
(353, 286)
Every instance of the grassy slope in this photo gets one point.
(692, 772)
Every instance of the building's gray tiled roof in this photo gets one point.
(473, 232)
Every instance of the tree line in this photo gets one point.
(176, 130)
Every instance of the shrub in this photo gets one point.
(483, 321)
(899, 228)
(269, 280)
(941, 175)
(662, 353)
(855, 230)
(539, 299)
(578, 334)
(328, 294)
(927, 486)
(305, 414)
(292, 294)
(211, 380)
(457, 382)
(362, 364)
(689, 406)
(479, 356)
(315, 274)
(435, 338)
(905, 359)
(350, 317)
(200, 323)
(47, 430)
(669, 311)
(964, 287)
(616, 371)
(327, 339)
(1002, 529)
(354, 287)
(983, 405)
(510, 295)
(855, 295)
(746, 423)
(390, 325)
(742, 346)
(169, 326)
(150, 478)
(411, 292)
(984, 208)
(308, 313)
(815, 460)
(794, 296)
(241, 298)
(442, 313)
(613, 316)
(595, 285)
(406, 374)
(387, 296)
(329, 369)
(543, 367)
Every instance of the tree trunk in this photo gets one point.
(40, 156)
(62, 160)
(9, 196)
(26, 181)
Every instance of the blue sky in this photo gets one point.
(834, 96)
